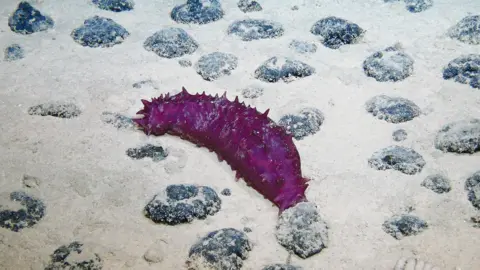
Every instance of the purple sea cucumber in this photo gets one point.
(259, 150)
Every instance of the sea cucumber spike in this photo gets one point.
(184, 91)
(224, 95)
(167, 95)
(146, 103)
(236, 99)
(265, 114)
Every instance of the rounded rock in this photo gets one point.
(226, 192)
(215, 65)
(99, 32)
(304, 123)
(302, 46)
(403, 225)
(336, 32)
(252, 92)
(55, 109)
(467, 30)
(249, 6)
(301, 230)
(221, 249)
(392, 109)
(459, 136)
(254, 29)
(183, 203)
(464, 69)
(198, 12)
(114, 5)
(472, 186)
(402, 159)
(31, 213)
(156, 153)
(170, 43)
(416, 6)
(74, 256)
(13, 52)
(279, 266)
(28, 20)
(399, 135)
(282, 68)
(438, 183)
(390, 64)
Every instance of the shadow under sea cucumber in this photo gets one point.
(260, 151)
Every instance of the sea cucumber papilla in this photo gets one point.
(259, 150)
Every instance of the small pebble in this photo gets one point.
(74, 256)
(252, 92)
(13, 52)
(402, 159)
(99, 32)
(183, 203)
(301, 230)
(171, 42)
(226, 192)
(55, 109)
(416, 6)
(31, 213)
(279, 266)
(403, 225)
(215, 65)
(198, 12)
(472, 186)
(185, 63)
(399, 135)
(467, 30)
(249, 6)
(302, 47)
(438, 183)
(156, 153)
(282, 68)
(254, 29)
(221, 249)
(114, 5)
(459, 136)
(247, 229)
(392, 109)
(336, 32)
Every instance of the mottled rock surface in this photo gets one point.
(32, 211)
(464, 69)
(305, 122)
(74, 256)
(252, 92)
(459, 136)
(182, 204)
(402, 159)
(392, 109)
(156, 153)
(28, 20)
(279, 266)
(467, 30)
(472, 186)
(55, 109)
(282, 68)
(416, 6)
(403, 225)
(254, 29)
(390, 64)
(198, 12)
(221, 249)
(99, 32)
(185, 63)
(399, 135)
(117, 120)
(336, 32)
(301, 230)
(438, 183)
(170, 43)
(114, 5)
(215, 65)
(13, 52)
(302, 47)
(249, 6)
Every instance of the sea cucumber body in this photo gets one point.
(260, 152)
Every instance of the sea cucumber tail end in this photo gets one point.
(292, 196)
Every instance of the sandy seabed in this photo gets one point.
(95, 193)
